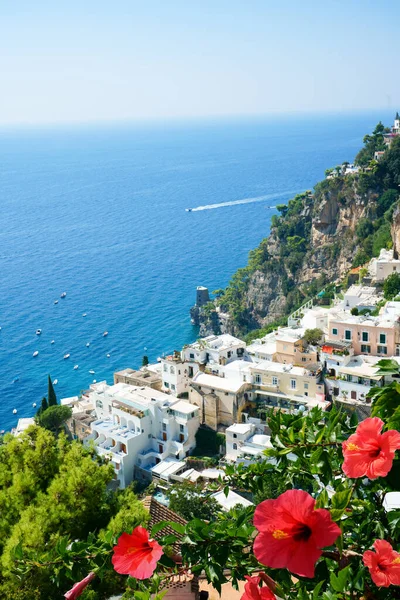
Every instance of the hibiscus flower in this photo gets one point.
(252, 590)
(368, 452)
(78, 587)
(136, 555)
(383, 565)
(292, 532)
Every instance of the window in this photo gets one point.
(354, 395)
(365, 336)
(164, 427)
(347, 334)
(165, 367)
(181, 428)
(382, 338)
(166, 384)
(99, 404)
(382, 349)
(258, 378)
(365, 349)
(293, 384)
(234, 435)
(109, 408)
(334, 331)
(173, 387)
(229, 354)
(234, 446)
(303, 359)
(274, 381)
(306, 386)
(191, 355)
(172, 370)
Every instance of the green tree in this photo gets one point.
(51, 395)
(391, 286)
(44, 405)
(313, 336)
(54, 417)
(387, 200)
(191, 501)
(145, 361)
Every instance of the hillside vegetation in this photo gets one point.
(313, 241)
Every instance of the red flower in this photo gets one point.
(78, 588)
(368, 451)
(136, 555)
(383, 565)
(292, 532)
(252, 590)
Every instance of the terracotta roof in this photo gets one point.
(158, 513)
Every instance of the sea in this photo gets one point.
(99, 211)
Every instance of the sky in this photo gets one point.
(89, 60)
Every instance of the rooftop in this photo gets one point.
(274, 367)
(184, 407)
(231, 500)
(220, 383)
(239, 428)
(167, 467)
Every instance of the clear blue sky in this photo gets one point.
(81, 60)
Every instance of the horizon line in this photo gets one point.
(187, 118)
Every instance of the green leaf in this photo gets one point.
(162, 524)
(317, 590)
(338, 582)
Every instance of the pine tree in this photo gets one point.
(44, 404)
(52, 398)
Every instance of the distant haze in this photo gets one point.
(101, 60)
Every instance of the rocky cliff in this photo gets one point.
(315, 240)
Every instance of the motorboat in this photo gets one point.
(34, 405)
(108, 355)
(38, 332)
(63, 294)
(105, 334)
(84, 315)
(87, 345)
(94, 380)
(188, 209)
(66, 356)
(15, 380)
(35, 353)
(91, 372)
(52, 342)
(55, 382)
(55, 301)
(76, 367)
(15, 411)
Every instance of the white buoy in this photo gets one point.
(15, 411)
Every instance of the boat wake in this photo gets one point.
(244, 201)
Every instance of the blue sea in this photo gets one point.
(99, 212)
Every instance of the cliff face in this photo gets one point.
(314, 240)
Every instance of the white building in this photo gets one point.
(360, 296)
(176, 374)
(137, 428)
(354, 379)
(383, 266)
(23, 425)
(244, 444)
(217, 349)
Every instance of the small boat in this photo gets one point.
(34, 405)
(76, 367)
(87, 345)
(108, 355)
(35, 353)
(15, 380)
(52, 342)
(38, 332)
(84, 315)
(105, 334)
(15, 411)
(91, 372)
(55, 382)
(94, 380)
(66, 356)
(63, 294)
(188, 209)
(55, 301)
